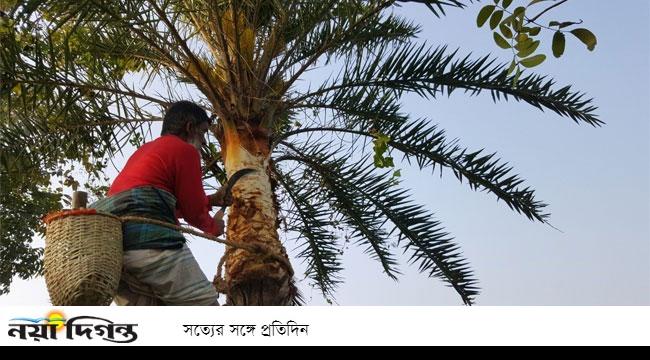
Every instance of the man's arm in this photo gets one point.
(220, 198)
(188, 188)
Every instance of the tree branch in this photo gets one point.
(547, 10)
(95, 87)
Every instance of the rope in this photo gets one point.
(219, 282)
(256, 248)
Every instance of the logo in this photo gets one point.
(52, 325)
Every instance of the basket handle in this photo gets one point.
(79, 199)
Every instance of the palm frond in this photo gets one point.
(347, 27)
(428, 147)
(437, 7)
(365, 227)
(383, 203)
(63, 84)
(310, 218)
(433, 72)
(317, 29)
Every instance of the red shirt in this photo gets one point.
(171, 164)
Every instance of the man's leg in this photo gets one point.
(171, 276)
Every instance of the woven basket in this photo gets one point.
(83, 257)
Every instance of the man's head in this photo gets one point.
(187, 121)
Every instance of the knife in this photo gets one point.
(233, 180)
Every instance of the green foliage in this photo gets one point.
(366, 202)
(533, 60)
(484, 14)
(587, 37)
(559, 44)
(24, 199)
(311, 218)
(519, 30)
(380, 147)
(77, 85)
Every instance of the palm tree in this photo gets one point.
(322, 152)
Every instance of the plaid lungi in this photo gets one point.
(159, 269)
(147, 202)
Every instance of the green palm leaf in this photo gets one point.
(383, 203)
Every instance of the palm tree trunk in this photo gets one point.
(253, 279)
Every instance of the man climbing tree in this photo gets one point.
(162, 180)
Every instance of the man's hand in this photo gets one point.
(218, 219)
(220, 198)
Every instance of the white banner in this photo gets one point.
(325, 325)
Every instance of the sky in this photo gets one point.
(595, 180)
